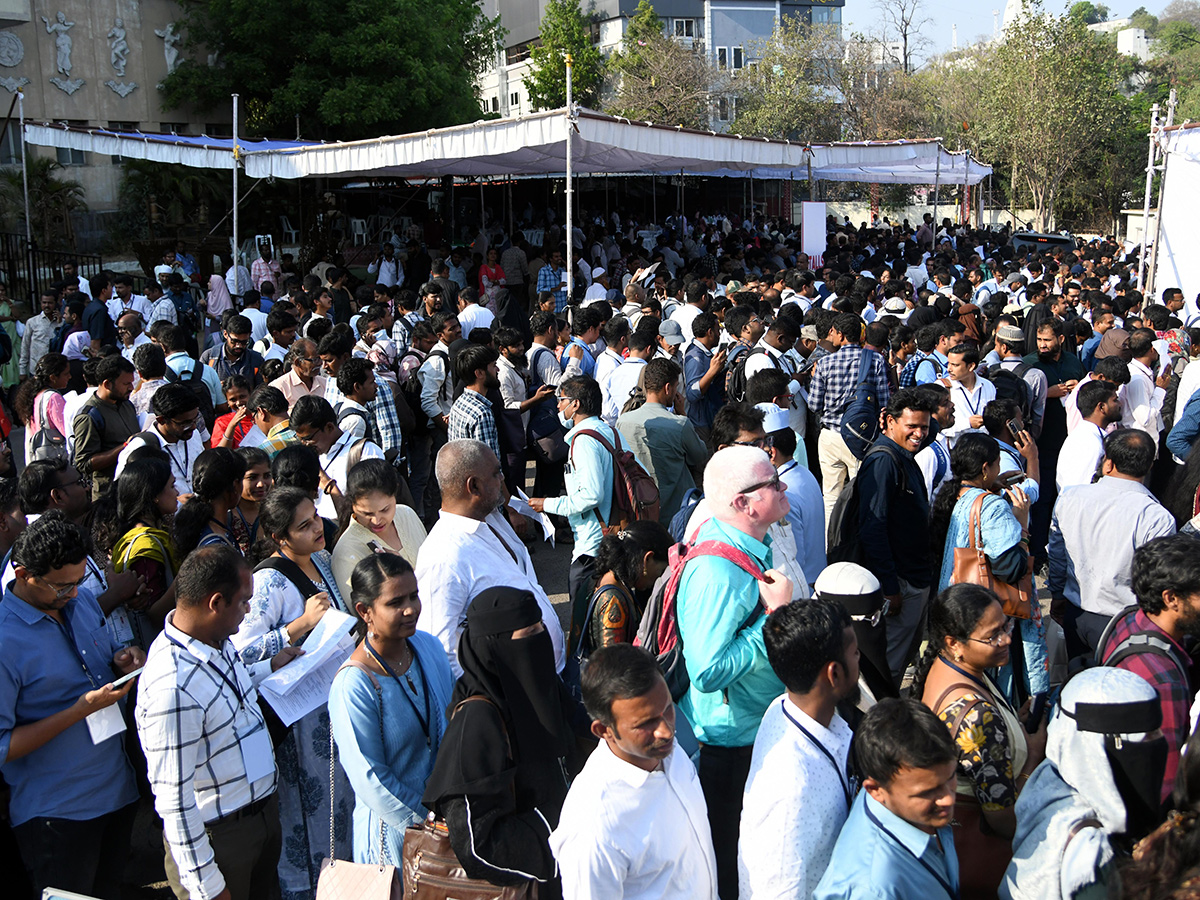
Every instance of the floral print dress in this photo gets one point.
(303, 756)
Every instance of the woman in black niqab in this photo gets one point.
(500, 777)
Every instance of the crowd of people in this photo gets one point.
(812, 504)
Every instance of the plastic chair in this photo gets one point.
(290, 234)
(358, 232)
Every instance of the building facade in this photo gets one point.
(726, 30)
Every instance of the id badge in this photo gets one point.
(105, 723)
(257, 756)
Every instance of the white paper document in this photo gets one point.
(521, 505)
(303, 684)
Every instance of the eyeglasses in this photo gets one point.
(772, 482)
(67, 484)
(306, 359)
(63, 588)
(876, 617)
(559, 399)
(762, 443)
(997, 639)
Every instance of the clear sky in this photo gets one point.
(973, 17)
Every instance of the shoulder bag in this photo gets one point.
(345, 880)
(971, 566)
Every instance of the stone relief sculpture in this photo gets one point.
(62, 41)
(118, 47)
(12, 51)
(60, 28)
(170, 38)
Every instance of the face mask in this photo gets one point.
(567, 421)
(1138, 768)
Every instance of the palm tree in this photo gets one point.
(51, 200)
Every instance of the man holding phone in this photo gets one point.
(59, 716)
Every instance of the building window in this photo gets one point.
(724, 109)
(722, 57)
(737, 58)
(514, 55)
(124, 127)
(72, 157)
(218, 129)
(174, 127)
(10, 146)
(495, 104)
(685, 28)
(514, 102)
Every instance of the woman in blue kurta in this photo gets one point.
(1004, 526)
(387, 707)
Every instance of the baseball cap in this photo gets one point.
(671, 331)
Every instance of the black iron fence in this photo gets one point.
(27, 269)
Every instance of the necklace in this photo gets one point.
(404, 663)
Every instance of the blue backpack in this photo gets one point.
(860, 421)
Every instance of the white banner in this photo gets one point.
(812, 233)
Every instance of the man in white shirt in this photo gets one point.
(1145, 393)
(934, 459)
(969, 393)
(616, 342)
(387, 268)
(473, 547)
(624, 378)
(125, 300)
(634, 824)
(472, 314)
(175, 411)
(697, 301)
(315, 425)
(258, 318)
(130, 333)
(598, 289)
(1083, 449)
(798, 793)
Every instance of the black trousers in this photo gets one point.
(723, 773)
(85, 856)
(1082, 630)
(581, 578)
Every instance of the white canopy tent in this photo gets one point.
(1174, 259)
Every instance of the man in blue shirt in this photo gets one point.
(720, 613)
(551, 278)
(897, 843)
(73, 788)
(589, 476)
(935, 364)
(704, 374)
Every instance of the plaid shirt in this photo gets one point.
(278, 437)
(382, 423)
(1164, 676)
(834, 380)
(196, 704)
(550, 279)
(471, 416)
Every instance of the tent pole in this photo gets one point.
(25, 188)
(1143, 259)
(570, 191)
(236, 286)
(653, 199)
(966, 188)
(937, 183)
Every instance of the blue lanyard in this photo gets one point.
(233, 686)
(66, 626)
(846, 791)
(424, 720)
(950, 891)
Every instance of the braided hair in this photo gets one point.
(954, 613)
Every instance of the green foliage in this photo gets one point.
(564, 29)
(179, 192)
(1084, 12)
(1143, 19)
(52, 199)
(356, 69)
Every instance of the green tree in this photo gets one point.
(658, 79)
(367, 67)
(52, 200)
(1087, 13)
(1052, 100)
(564, 29)
(1143, 19)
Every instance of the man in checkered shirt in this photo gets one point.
(208, 753)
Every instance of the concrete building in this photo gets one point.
(726, 30)
(97, 64)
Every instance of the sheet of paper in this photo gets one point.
(311, 691)
(320, 643)
(105, 723)
(521, 504)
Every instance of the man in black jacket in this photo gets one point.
(893, 516)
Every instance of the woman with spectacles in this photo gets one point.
(968, 635)
(977, 491)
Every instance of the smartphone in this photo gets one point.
(1008, 479)
(126, 678)
(1036, 712)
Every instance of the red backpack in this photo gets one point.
(634, 495)
(659, 628)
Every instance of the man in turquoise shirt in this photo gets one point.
(720, 613)
(589, 476)
(897, 843)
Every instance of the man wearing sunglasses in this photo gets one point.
(234, 356)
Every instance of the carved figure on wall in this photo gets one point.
(118, 47)
(60, 28)
(171, 39)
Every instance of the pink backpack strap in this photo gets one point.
(667, 627)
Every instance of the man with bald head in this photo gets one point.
(130, 333)
(721, 608)
(473, 547)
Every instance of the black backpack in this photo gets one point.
(860, 421)
(1010, 384)
(735, 385)
(194, 382)
(1138, 642)
(410, 388)
(843, 537)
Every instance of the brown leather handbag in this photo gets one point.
(971, 566)
(431, 867)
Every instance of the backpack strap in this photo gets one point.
(290, 570)
(962, 713)
(488, 701)
(680, 555)
(591, 432)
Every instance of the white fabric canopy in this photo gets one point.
(536, 145)
(1177, 263)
